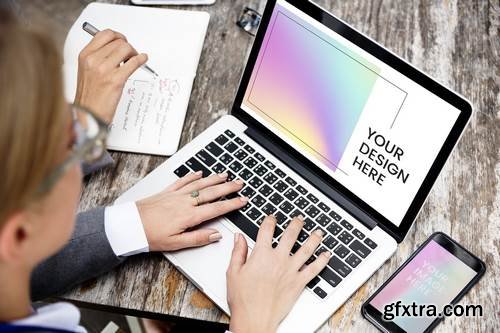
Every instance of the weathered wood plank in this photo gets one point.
(454, 41)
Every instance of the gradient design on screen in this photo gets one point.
(309, 85)
(434, 276)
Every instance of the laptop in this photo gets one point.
(328, 124)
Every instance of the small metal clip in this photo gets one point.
(249, 20)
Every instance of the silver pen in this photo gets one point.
(93, 30)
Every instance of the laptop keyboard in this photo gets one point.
(271, 191)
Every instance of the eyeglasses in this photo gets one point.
(89, 144)
(249, 20)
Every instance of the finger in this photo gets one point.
(204, 182)
(122, 52)
(215, 209)
(100, 39)
(194, 238)
(266, 231)
(308, 248)
(314, 268)
(131, 65)
(179, 183)
(101, 54)
(239, 255)
(290, 234)
(214, 192)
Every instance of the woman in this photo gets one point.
(43, 141)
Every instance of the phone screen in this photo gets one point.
(434, 276)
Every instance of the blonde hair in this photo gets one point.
(31, 113)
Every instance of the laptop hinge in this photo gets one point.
(310, 176)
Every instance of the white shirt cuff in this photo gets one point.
(123, 227)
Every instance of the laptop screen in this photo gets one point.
(371, 128)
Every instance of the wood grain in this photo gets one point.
(456, 42)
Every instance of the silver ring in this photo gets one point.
(196, 194)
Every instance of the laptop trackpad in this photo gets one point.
(206, 266)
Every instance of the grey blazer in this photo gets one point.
(88, 254)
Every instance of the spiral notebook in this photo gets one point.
(151, 112)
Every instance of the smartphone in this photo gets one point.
(172, 2)
(438, 273)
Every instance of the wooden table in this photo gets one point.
(457, 42)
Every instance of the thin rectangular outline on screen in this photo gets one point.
(326, 41)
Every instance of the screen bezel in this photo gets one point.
(327, 19)
(476, 264)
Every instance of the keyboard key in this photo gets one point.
(280, 217)
(311, 197)
(313, 282)
(280, 186)
(260, 170)
(244, 224)
(330, 242)
(301, 203)
(250, 162)
(258, 201)
(261, 219)
(301, 190)
(218, 168)
(309, 224)
(345, 237)
(196, 165)
(295, 248)
(229, 133)
(286, 207)
(181, 171)
(320, 250)
(341, 251)
(296, 213)
(274, 245)
(310, 260)
(276, 198)
(214, 149)
(255, 182)
(329, 276)
(268, 209)
(360, 249)
(231, 147)
(248, 192)
(335, 216)
(320, 292)
(370, 243)
(334, 228)
(324, 207)
(236, 166)
(249, 149)
(346, 224)
(353, 260)
(239, 141)
(259, 157)
(246, 207)
(226, 158)
(205, 157)
(312, 211)
(270, 165)
(280, 173)
(245, 174)
(230, 176)
(339, 266)
(323, 220)
(302, 236)
(358, 234)
(291, 194)
(221, 139)
(270, 178)
(266, 190)
(277, 232)
(290, 181)
(240, 155)
(254, 213)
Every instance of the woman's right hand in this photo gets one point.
(263, 288)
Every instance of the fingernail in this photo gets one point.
(236, 238)
(198, 173)
(244, 199)
(319, 232)
(239, 181)
(223, 175)
(215, 237)
(326, 254)
(300, 217)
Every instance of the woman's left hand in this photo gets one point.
(169, 216)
